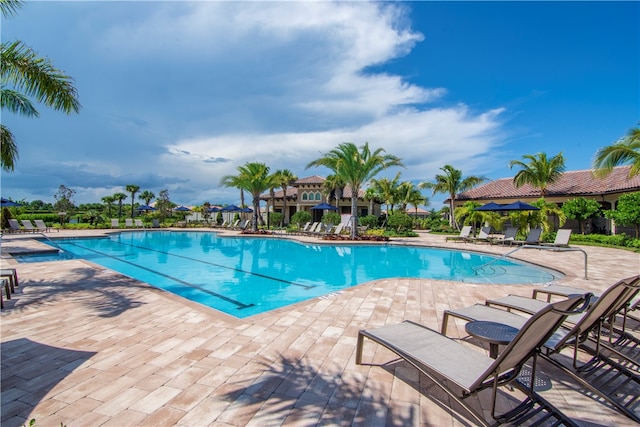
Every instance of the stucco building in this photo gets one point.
(572, 184)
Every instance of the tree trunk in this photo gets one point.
(354, 215)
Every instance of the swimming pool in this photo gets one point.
(244, 276)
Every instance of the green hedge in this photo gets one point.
(621, 240)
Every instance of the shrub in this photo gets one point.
(369, 221)
(275, 218)
(400, 222)
(300, 218)
(331, 218)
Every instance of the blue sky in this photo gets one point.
(176, 95)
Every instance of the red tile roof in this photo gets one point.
(572, 183)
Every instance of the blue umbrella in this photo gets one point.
(8, 203)
(324, 206)
(246, 210)
(214, 209)
(491, 206)
(182, 209)
(519, 206)
(146, 208)
(231, 208)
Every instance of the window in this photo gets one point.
(305, 196)
(318, 196)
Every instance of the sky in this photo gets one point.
(176, 95)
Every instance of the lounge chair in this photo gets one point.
(312, 228)
(155, 223)
(28, 226)
(138, 222)
(11, 275)
(483, 236)
(533, 238)
(463, 236)
(596, 374)
(461, 371)
(508, 238)
(561, 240)
(14, 226)
(41, 226)
(115, 223)
(128, 223)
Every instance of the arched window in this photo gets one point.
(305, 196)
(318, 196)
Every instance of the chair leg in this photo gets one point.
(7, 290)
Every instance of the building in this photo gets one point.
(307, 192)
(572, 184)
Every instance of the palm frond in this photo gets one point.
(8, 149)
(15, 102)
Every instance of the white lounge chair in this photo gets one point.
(562, 239)
(138, 222)
(483, 236)
(463, 236)
(128, 223)
(115, 223)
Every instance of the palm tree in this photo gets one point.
(626, 150)
(233, 181)
(452, 183)
(119, 197)
(408, 194)
(355, 168)
(108, 200)
(539, 172)
(333, 187)
(24, 74)
(387, 189)
(133, 189)
(146, 196)
(255, 178)
(285, 178)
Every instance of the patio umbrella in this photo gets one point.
(231, 208)
(182, 209)
(519, 206)
(491, 206)
(146, 208)
(8, 203)
(246, 210)
(324, 206)
(214, 209)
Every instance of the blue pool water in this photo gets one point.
(245, 276)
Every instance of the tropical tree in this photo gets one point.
(25, 75)
(356, 167)
(408, 194)
(467, 213)
(627, 211)
(371, 196)
(539, 171)
(119, 197)
(581, 209)
(233, 181)
(333, 188)
(133, 189)
(451, 182)
(625, 150)
(164, 204)
(108, 200)
(254, 178)
(146, 196)
(285, 178)
(386, 189)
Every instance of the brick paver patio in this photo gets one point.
(85, 346)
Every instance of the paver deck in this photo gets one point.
(85, 346)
